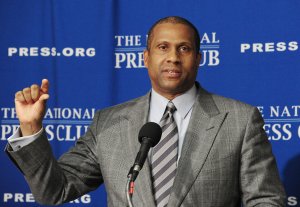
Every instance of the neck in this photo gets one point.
(171, 95)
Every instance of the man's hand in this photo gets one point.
(31, 107)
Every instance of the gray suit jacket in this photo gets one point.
(226, 159)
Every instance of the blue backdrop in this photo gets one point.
(91, 52)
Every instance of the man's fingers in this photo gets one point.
(45, 86)
(19, 96)
(35, 92)
(27, 95)
(44, 97)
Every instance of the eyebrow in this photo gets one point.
(179, 43)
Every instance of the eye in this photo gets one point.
(184, 48)
(162, 47)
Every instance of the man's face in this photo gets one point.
(172, 60)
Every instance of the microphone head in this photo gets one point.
(151, 131)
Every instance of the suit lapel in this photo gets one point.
(202, 130)
(136, 117)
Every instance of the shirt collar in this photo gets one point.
(183, 103)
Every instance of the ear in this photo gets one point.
(146, 55)
(198, 58)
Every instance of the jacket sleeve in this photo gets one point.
(259, 177)
(54, 182)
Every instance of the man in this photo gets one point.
(218, 153)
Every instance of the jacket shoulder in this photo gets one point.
(114, 112)
(229, 104)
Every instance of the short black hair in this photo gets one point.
(174, 20)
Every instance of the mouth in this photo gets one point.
(172, 73)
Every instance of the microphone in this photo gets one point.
(149, 136)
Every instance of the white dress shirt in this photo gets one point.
(184, 106)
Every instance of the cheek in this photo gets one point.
(192, 65)
(152, 74)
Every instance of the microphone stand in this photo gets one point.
(129, 188)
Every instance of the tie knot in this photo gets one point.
(170, 107)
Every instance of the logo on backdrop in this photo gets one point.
(292, 201)
(28, 198)
(129, 50)
(282, 123)
(50, 52)
(269, 47)
(61, 124)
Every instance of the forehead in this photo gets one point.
(173, 32)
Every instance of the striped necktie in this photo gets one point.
(164, 158)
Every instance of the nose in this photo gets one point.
(173, 56)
